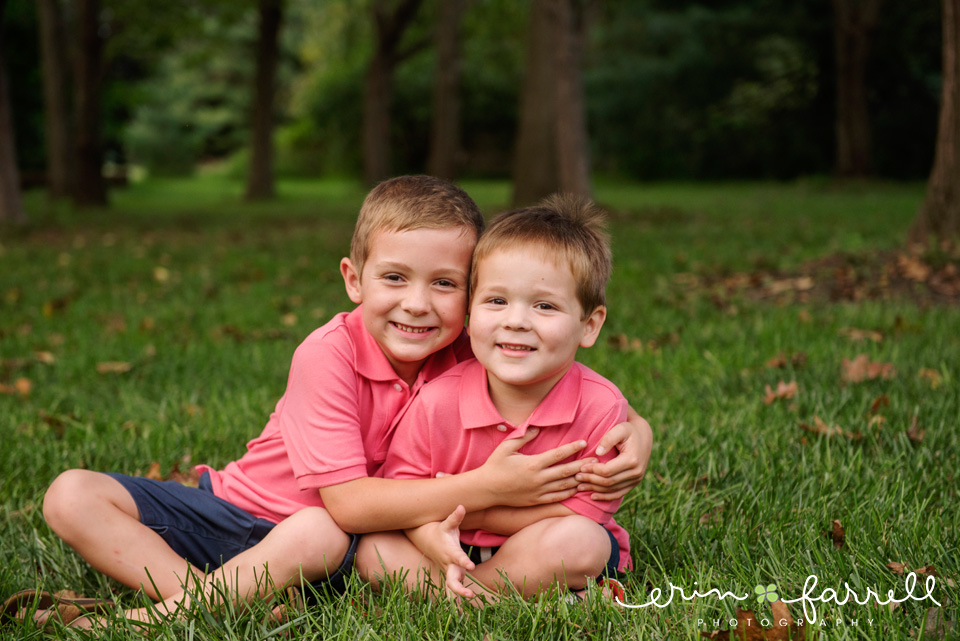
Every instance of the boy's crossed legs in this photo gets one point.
(566, 551)
(97, 515)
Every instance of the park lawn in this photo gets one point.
(158, 334)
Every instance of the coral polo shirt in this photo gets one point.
(332, 425)
(453, 426)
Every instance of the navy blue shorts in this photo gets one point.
(480, 554)
(206, 530)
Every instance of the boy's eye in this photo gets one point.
(498, 301)
(443, 282)
(394, 278)
(544, 306)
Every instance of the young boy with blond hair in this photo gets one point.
(537, 295)
(294, 502)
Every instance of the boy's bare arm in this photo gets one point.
(510, 520)
(507, 478)
(612, 480)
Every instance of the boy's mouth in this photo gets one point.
(516, 348)
(410, 329)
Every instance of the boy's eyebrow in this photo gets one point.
(404, 267)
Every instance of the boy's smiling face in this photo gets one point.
(414, 292)
(526, 321)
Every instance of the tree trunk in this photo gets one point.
(445, 132)
(535, 172)
(11, 205)
(389, 27)
(90, 187)
(552, 144)
(378, 95)
(939, 214)
(573, 152)
(56, 110)
(260, 182)
(854, 23)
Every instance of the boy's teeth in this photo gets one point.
(516, 347)
(415, 330)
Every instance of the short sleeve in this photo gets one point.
(581, 503)
(319, 418)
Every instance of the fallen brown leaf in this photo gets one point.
(114, 367)
(154, 472)
(821, 428)
(778, 361)
(836, 534)
(47, 358)
(711, 516)
(879, 401)
(860, 335)
(936, 625)
(927, 569)
(913, 268)
(914, 432)
(783, 391)
(21, 387)
(190, 478)
(931, 375)
(623, 343)
(800, 284)
(862, 369)
(896, 568)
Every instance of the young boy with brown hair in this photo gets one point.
(537, 295)
(288, 504)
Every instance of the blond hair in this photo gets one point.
(567, 229)
(412, 202)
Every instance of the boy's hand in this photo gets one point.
(440, 542)
(613, 479)
(520, 480)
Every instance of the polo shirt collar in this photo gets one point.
(373, 364)
(477, 408)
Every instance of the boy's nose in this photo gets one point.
(516, 318)
(417, 301)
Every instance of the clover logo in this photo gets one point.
(768, 593)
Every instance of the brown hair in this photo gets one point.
(567, 228)
(412, 202)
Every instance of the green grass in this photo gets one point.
(207, 297)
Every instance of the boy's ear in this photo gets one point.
(592, 325)
(351, 280)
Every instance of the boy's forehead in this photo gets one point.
(387, 235)
(443, 244)
(530, 252)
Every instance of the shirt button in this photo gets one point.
(398, 387)
(502, 428)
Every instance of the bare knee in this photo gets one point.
(380, 555)
(581, 545)
(75, 497)
(316, 539)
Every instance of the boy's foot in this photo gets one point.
(65, 606)
(610, 589)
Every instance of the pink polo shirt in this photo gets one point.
(332, 425)
(452, 426)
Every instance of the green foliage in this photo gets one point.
(746, 88)
(196, 104)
